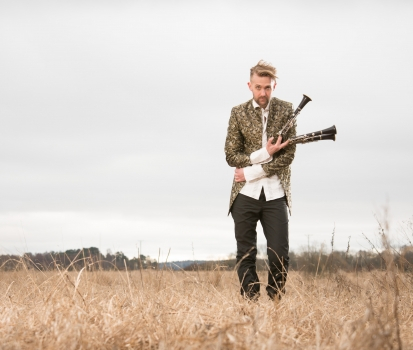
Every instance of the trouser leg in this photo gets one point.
(274, 221)
(245, 212)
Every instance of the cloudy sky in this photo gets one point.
(114, 114)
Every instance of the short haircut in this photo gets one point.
(264, 69)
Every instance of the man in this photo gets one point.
(261, 186)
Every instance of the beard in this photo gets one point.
(262, 101)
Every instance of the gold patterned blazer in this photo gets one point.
(244, 136)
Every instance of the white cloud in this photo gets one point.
(112, 109)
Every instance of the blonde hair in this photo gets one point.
(264, 69)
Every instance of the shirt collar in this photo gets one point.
(256, 105)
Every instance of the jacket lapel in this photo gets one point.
(255, 115)
(272, 118)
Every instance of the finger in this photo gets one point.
(285, 144)
(279, 139)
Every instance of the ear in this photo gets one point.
(249, 85)
(275, 84)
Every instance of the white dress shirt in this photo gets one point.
(255, 175)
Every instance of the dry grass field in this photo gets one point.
(202, 310)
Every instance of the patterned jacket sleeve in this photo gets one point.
(234, 144)
(284, 157)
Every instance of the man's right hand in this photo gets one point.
(274, 148)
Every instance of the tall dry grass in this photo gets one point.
(92, 309)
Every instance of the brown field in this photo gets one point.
(202, 310)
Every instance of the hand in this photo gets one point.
(239, 175)
(274, 148)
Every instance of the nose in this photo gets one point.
(262, 92)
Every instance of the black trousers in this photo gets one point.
(273, 215)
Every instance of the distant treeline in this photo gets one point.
(314, 262)
(75, 259)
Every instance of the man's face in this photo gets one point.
(261, 88)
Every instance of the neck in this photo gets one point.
(262, 106)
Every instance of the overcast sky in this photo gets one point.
(114, 115)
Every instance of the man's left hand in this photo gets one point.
(239, 175)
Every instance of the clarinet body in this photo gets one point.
(325, 134)
(292, 120)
